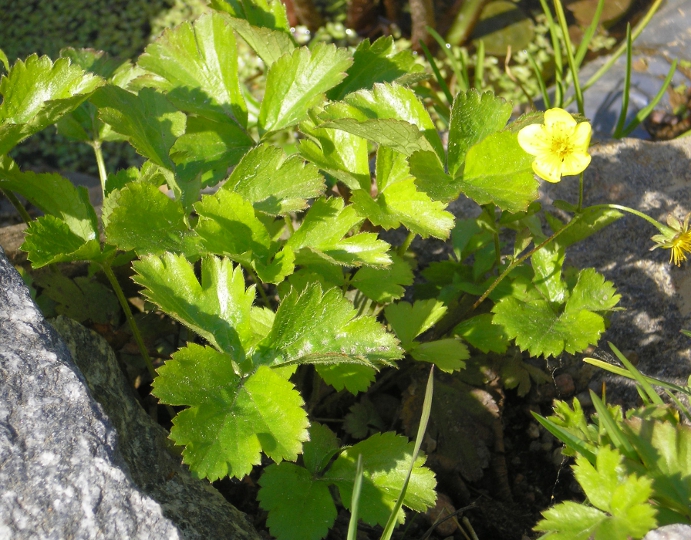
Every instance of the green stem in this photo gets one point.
(108, 271)
(580, 194)
(655, 223)
(403, 248)
(26, 218)
(102, 173)
(289, 223)
(569, 54)
(518, 261)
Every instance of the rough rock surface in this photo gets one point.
(677, 531)
(654, 178)
(65, 470)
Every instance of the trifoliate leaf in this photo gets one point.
(339, 153)
(36, 93)
(300, 506)
(196, 67)
(387, 102)
(515, 373)
(447, 354)
(383, 285)
(353, 377)
(228, 226)
(312, 326)
(482, 334)
(218, 308)
(386, 459)
(474, 116)
(622, 499)
(273, 182)
(209, 148)
(261, 13)
(297, 81)
(402, 203)
(498, 170)
(81, 299)
(322, 235)
(318, 451)
(230, 419)
(269, 44)
(363, 420)
(538, 327)
(141, 218)
(377, 63)
(148, 120)
(411, 320)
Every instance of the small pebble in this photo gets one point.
(558, 457)
(535, 446)
(515, 461)
(565, 385)
(546, 446)
(584, 399)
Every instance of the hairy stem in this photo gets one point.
(26, 218)
(102, 173)
(403, 248)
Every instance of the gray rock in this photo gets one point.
(654, 178)
(677, 531)
(65, 471)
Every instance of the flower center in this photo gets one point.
(561, 142)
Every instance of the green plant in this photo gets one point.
(314, 257)
(633, 467)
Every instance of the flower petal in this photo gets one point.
(556, 116)
(548, 167)
(575, 163)
(534, 140)
(581, 136)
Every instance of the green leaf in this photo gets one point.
(209, 148)
(353, 377)
(37, 93)
(274, 183)
(148, 120)
(474, 116)
(383, 285)
(228, 226)
(311, 325)
(411, 320)
(322, 236)
(49, 239)
(81, 299)
(318, 451)
(261, 13)
(498, 171)
(339, 153)
(547, 263)
(297, 81)
(377, 63)
(141, 218)
(363, 420)
(623, 497)
(269, 44)
(481, 333)
(196, 67)
(230, 419)
(430, 177)
(402, 203)
(447, 354)
(391, 115)
(218, 308)
(386, 458)
(300, 506)
(4, 61)
(539, 328)
(589, 222)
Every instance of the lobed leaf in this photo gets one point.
(383, 285)
(296, 82)
(36, 93)
(196, 67)
(269, 44)
(411, 320)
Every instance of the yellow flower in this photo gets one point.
(560, 145)
(677, 239)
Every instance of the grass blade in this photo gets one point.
(540, 81)
(444, 46)
(588, 35)
(558, 65)
(640, 379)
(613, 430)
(569, 55)
(480, 65)
(424, 420)
(624, 373)
(618, 130)
(566, 437)
(437, 74)
(355, 500)
(643, 113)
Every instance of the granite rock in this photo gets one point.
(678, 531)
(71, 467)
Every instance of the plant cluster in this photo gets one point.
(336, 149)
